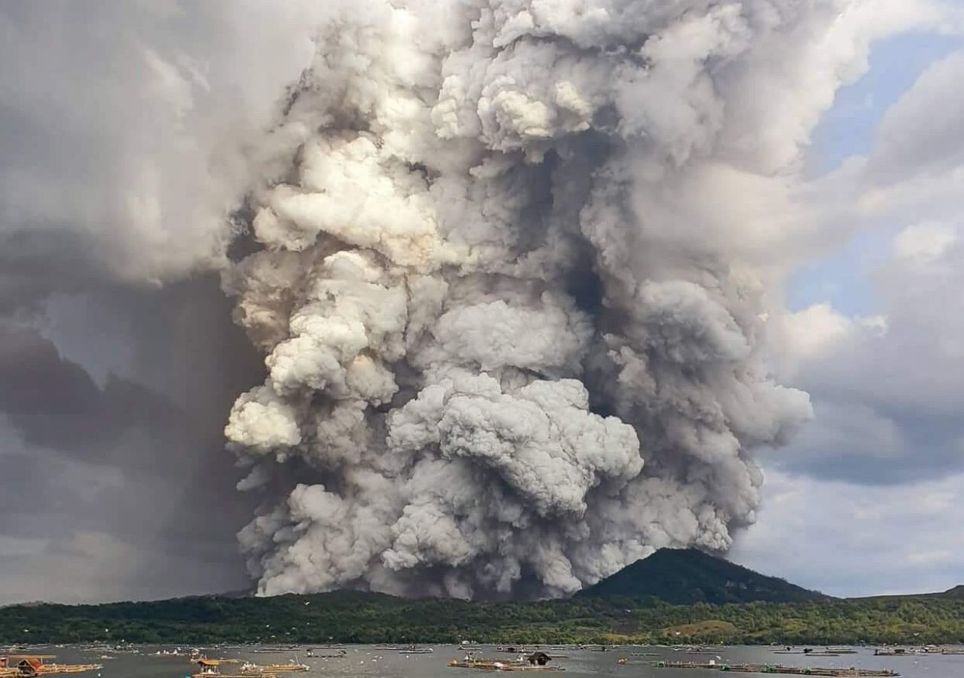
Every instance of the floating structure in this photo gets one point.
(537, 661)
(910, 652)
(499, 665)
(828, 652)
(769, 668)
(30, 666)
(512, 649)
(416, 650)
(338, 654)
(212, 667)
(177, 653)
(273, 669)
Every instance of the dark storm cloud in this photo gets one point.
(36, 382)
(114, 390)
(137, 459)
(35, 263)
(864, 445)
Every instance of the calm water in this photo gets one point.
(365, 660)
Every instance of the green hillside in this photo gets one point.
(686, 576)
(732, 605)
(372, 618)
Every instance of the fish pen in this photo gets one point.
(777, 669)
(273, 669)
(23, 666)
(211, 668)
(51, 669)
(499, 665)
(536, 661)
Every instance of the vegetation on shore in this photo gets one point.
(347, 616)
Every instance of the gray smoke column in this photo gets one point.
(511, 344)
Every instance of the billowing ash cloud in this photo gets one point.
(510, 346)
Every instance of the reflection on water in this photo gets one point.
(367, 660)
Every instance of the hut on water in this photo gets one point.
(30, 667)
(209, 666)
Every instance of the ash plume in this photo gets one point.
(512, 343)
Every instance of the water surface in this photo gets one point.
(367, 660)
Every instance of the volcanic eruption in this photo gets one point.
(513, 331)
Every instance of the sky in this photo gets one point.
(122, 136)
(876, 478)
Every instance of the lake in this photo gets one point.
(366, 660)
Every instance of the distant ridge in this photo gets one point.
(686, 576)
(627, 615)
(956, 592)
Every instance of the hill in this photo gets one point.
(358, 617)
(956, 592)
(687, 576)
(671, 597)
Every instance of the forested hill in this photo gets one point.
(372, 618)
(686, 576)
(670, 597)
